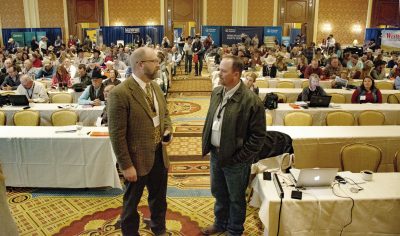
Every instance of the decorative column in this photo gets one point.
(369, 14)
(106, 14)
(31, 12)
(239, 12)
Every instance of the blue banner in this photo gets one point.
(274, 31)
(232, 34)
(214, 31)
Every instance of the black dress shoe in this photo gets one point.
(211, 229)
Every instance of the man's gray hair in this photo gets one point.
(25, 77)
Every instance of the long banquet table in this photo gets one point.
(40, 157)
(292, 93)
(319, 146)
(376, 208)
(391, 112)
(87, 114)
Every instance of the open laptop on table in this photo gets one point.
(313, 177)
(19, 100)
(320, 101)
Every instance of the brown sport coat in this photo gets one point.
(131, 126)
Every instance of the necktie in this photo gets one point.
(149, 96)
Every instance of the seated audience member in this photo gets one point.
(176, 60)
(320, 57)
(280, 63)
(396, 75)
(367, 92)
(7, 223)
(313, 68)
(379, 73)
(28, 68)
(71, 69)
(109, 67)
(47, 71)
(251, 82)
(340, 82)
(61, 78)
(112, 78)
(33, 90)
(302, 65)
(11, 82)
(354, 63)
(97, 59)
(366, 71)
(7, 64)
(393, 61)
(333, 69)
(119, 65)
(104, 119)
(313, 89)
(81, 59)
(84, 78)
(256, 59)
(94, 94)
(269, 68)
(378, 58)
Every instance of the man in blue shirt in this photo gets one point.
(11, 82)
(94, 94)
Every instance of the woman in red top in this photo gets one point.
(367, 92)
(36, 62)
(62, 76)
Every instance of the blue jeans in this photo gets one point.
(228, 186)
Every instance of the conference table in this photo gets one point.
(376, 208)
(293, 93)
(87, 114)
(391, 112)
(41, 157)
(319, 146)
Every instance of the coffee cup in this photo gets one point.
(366, 175)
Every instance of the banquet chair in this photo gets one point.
(262, 83)
(26, 118)
(337, 98)
(290, 75)
(384, 85)
(3, 117)
(62, 98)
(394, 98)
(63, 118)
(339, 118)
(281, 98)
(268, 119)
(396, 162)
(285, 84)
(304, 84)
(371, 118)
(356, 157)
(298, 118)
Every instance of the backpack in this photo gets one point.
(271, 101)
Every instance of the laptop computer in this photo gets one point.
(313, 177)
(19, 100)
(320, 101)
(3, 100)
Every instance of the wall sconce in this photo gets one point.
(150, 23)
(118, 23)
(356, 28)
(326, 27)
(282, 10)
(310, 2)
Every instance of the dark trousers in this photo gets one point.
(198, 67)
(228, 186)
(156, 183)
(188, 63)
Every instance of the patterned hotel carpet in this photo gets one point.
(96, 212)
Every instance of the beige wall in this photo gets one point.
(260, 12)
(12, 14)
(133, 12)
(342, 15)
(219, 12)
(51, 14)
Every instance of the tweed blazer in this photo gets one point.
(131, 126)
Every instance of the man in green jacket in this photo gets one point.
(234, 133)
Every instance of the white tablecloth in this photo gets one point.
(319, 146)
(292, 93)
(376, 209)
(87, 114)
(391, 112)
(39, 157)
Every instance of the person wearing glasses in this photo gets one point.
(140, 128)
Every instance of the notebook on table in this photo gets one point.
(313, 177)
